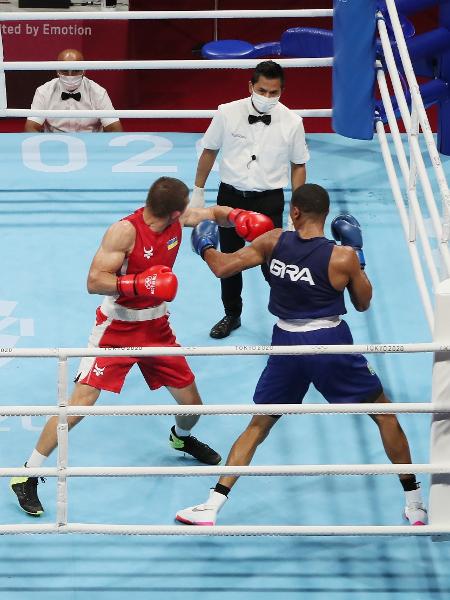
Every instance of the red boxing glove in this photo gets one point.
(249, 225)
(155, 282)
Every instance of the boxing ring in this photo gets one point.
(430, 266)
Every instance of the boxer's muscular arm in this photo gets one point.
(248, 224)
(345, 271)
(257, 253)
(359, 287)
(193, 216)
(117, 242)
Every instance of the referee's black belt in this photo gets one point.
(248, 194)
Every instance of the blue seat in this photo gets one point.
(223, 49)
(297, 42)
(307, 42)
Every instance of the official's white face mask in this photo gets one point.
(70, 82)
(264, 104)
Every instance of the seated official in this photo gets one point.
(71, 90)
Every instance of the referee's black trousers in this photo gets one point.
(270, 203)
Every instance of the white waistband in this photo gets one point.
(120, 313)
(308, 324)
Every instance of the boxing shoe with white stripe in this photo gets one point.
(416, 513)
(203, 514)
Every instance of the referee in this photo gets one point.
(259, 138)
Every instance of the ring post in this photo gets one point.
(354, 68)
(439, 502)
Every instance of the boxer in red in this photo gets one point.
(133, 270)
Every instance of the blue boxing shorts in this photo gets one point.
(340, 378)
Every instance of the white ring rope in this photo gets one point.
(127, 65)
(207, 471)
(141, 114)
(368, 408)
(230, 530)
(413, 201)
(414, 147)
(389, 348)
(164, 14)
(404, 217)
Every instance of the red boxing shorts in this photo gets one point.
(108, 373)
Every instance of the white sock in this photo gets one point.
(182, 432)
(413, 496)
(36, 459)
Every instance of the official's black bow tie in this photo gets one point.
(67, 95)
(264, 118)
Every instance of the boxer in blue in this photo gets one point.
(308, 274)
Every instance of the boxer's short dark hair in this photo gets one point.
(167, 195)
(311, 198)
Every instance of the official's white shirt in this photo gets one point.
(275, 146)
(93, 97)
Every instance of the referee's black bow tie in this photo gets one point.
(264, 118)
(66, 96)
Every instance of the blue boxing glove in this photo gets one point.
(347, 230)
(205, 235)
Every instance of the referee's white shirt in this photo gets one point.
(275, 146)
(93, 97)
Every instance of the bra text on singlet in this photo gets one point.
(295, 273)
